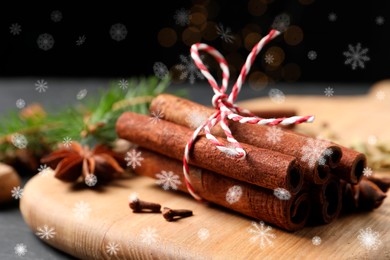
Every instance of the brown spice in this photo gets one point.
(138, 205)
(175, 214)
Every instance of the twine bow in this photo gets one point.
(225, 107)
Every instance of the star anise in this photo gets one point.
(75, 160)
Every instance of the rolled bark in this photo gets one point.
(351, 165)
(261, 167)
(247, 199)
(190, 114)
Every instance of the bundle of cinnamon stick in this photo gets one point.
(286, 182)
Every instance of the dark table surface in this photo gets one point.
(62, 92)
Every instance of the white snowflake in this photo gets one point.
(168, 180)
(43, 170)
(91, 180)
(17, 192)
(233, 194)
(20, 103)
(356, 56)
(188, 69)
(261, 233)
(380, 95)
(41, 85)
(20, 249)
(56, 16)
(281, 22)
(274, 134)
(269, 58)
(329, 91)
(203, 234)
(112, 248)
(230, 150)
(67, 142)
(149, 235)
(123, 84)
(196, 119)
(276, 95)
(369, 239)
(82, 94)
(372, 140)
(160, 70)
(315, 150)
(282, 194)
(15, 29)
(134, 158)
(332, 17)
(312, 55)
(156, 116)
(81, 40)
(133, 197)
(118, 32)
(182, 17)
(379, 20)
(46, 232)
(367, 171)
(316, 240)
(225, 33)
(19, 141)
(45, 41)
(81, 210)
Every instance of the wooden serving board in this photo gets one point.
(213, 232)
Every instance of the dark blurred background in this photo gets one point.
(312, 49)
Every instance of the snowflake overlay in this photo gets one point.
(182, 17)
(41, 86)
(82, 94)
(67, 142)
(149, 235)
(261, 233)
(281, 22)
(118, 32)
(316, 240)
(123, 84)
(276, 95)
(160, 70)
(19, 141)
(369, 239)
(45, 41)
(233, 194)
(372, 140)
(356, 56)
(367, 171)
(134, 158)
(379, 20)
(315, 151)
(196, 119)
(332, 17)
(43, 170)
(20, 249)
(81, 210)
(156, 116)
(45, 232)
(380, 95)
(269, 58)
(312, 55)
(274, 134)
(91, 180)
(188, 69)
(225, 33)
(328, 91)
(56, 16)
(282, 194)
(15, 29)
(17, 192)
(112, 248)
(20, 103)
(168, 180)
(81, 40)
(203, 234)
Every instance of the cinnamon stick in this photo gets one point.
(190, 114)
(252, 201)
(262, 167)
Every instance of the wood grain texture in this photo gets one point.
(47, 201)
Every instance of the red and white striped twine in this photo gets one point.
(225, 107)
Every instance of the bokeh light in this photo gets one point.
(167, 37)
(257, 7)
(293, 35)
(291, 72)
